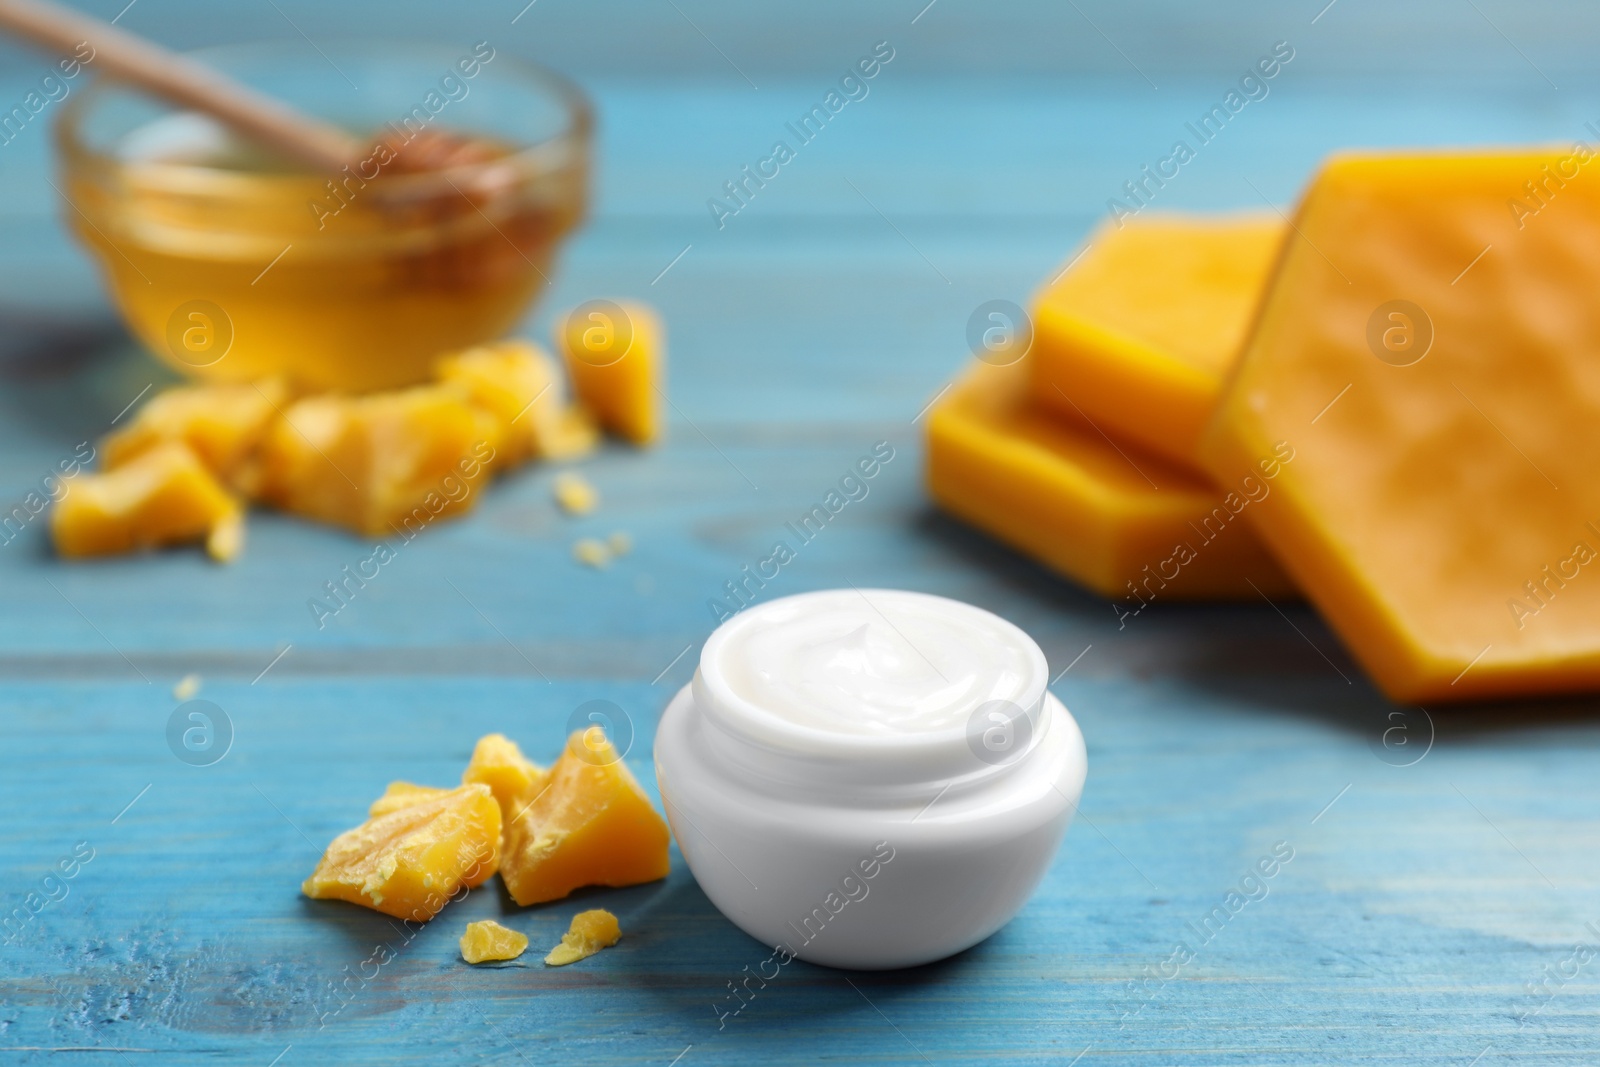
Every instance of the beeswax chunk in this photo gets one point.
(1139, 332)
(590, 824)
(487, 940)
(223, 424)
(164, 496)
(381, 464)
(410, 862)
(574, 434)
(574, 493)
(615, 355)
(591, 553)
(1123, 523)
(1430, 348)
(520, 384)
(513, 778)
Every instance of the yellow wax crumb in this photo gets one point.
(590, 932)
(575, 495)
(591, 553)
(570, 435)
(619, 544)
(188, 687)
(226, 539)
(488, 940)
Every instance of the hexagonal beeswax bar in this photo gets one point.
(1123, 523)
(1137, 334)
(1430, 348)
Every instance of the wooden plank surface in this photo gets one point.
(1432, 912)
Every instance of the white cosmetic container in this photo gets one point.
(869, 778)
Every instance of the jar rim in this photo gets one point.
(531, 157)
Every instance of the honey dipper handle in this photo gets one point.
(182, 81)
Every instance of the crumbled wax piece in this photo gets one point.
(574, 493)
(591, 553)
(569, 437)
(522, 386)
(410, 862)
(589, 824)
(164, 496)
(513, 778)
(226, 540)
(383, 464)
(188, 687)
(615, 354)
(590, 932)
(487, 940)
(223, 424)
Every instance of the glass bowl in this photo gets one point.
(230, 265)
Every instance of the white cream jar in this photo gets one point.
(869, 778)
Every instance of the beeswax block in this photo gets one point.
(1430, 347)
(1125, 524)
(1138, 333)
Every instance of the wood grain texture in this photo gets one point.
(1428, 915)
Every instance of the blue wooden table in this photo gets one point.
(1439, 905)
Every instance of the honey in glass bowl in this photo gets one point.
(230, 264)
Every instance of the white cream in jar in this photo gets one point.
(869, 778)
(846, 664)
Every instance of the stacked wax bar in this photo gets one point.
(1082, 452)
(1395, 398)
